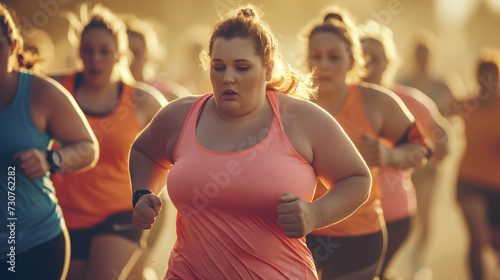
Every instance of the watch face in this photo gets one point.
(56, 158)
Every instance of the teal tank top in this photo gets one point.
(29, 213)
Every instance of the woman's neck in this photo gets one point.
(5, 76)
(138, 75)
(96, 89)
(251, 115)
(8, 90)
(97, 98)
(333, 99)
(422, 75)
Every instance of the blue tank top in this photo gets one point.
(35, 214)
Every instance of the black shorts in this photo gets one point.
(337, 256)
(397, 232)
(491, 195)
(45, 262)
(116, 224)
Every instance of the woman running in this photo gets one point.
(243, 162)
(353, 248)
(478, 187)
(96, 203)
(398, 193)
(34, 111)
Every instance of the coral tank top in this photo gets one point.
(227, 227)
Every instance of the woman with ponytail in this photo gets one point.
(478, 186)
(97, 203)
(34, 111)
(399, 200)
(242, 164)
(355, 247)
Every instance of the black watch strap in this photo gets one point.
(54, 166)
(137, 194)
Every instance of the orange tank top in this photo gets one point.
(481, 161)
(228, 224)
(88, 198)
(368, 218)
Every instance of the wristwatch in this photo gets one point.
(137, 194)
(55, 160)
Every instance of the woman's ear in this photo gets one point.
(269, 70)
(119, 56)
(351, 64)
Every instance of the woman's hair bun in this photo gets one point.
(331, 16)
(247, 12)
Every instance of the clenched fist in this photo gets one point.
(33, 162)
(296, 216)
(374, 152)
(147, 208)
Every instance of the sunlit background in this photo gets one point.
(461, 28)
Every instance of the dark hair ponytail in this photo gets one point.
(28, 61)
(247, 13)
(333, 16)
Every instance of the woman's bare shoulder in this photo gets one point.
(303, 114)
(298, 107)
(46, 89)
(177, 110)
(381, 97)
(376, 93)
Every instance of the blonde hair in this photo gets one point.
(244, 22)
(101, 17)
(337, 21)
(382, 34)
(11, 31)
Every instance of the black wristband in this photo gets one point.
(429, 153)
(137, 194)
(54, 160)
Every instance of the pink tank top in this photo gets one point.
(227, 226)
(399, 200)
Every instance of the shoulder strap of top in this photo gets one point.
(191, 119)
(126, 95)
(275, 104)
(354, 97)
(24, 88)
(198, 105)
(69, 83)
(354, 100)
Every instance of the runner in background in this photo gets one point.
(478, 187)
(398, 192)
(356, 246)
(147, 56)
(97, 203)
